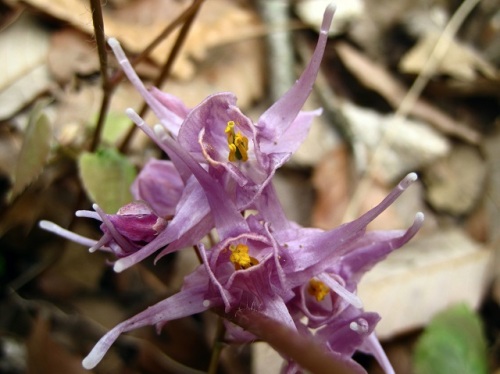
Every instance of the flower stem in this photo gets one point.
(96, 9)
(217, 346)
(304, 350)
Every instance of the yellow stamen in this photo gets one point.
(230, 132)
(240, 257)
(318, 289)
(237, 143)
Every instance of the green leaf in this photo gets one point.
(34, 151)
(116, 126)
(106, 176)
(452, 343)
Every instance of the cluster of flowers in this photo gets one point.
(218, 178)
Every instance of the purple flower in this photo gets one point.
(160, 184)
(272, 273)
(132, 227)
(240, 154)
(221, 165)
(190, 300)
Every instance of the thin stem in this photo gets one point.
(307, 352)
(181, 38)
(103, 112)
(436, 56)
(217, 346)
(95, 6)
(167, 67)
(166, 32)
(184, 16)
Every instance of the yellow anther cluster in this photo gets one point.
(237, 143)
(240, 257)
(318, 289)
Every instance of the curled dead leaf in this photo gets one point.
(46, 355)
(377, 78)
(460, 61)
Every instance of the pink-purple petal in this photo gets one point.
(276, 120)
(187, 302)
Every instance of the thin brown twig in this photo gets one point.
(117, 77)
(183, 17)
(181, 38)
(107, 88)
(167, 67)
(110, 83)
(217, 347)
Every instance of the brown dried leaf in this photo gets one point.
(456, 183)
(379, 79)
(47, 356)
(236, 68)
(332, 182)
(460, 61)
(71, 52)
(75, 269)
(77, 111)
(138, 23)
(24, 73)
(102, 309)
(24, 211)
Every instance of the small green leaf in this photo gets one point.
(106, 176)
(34, 151)
(115, 127)
(452, 343)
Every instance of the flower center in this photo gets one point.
(317, 289)
(237, 143)
(240, 257)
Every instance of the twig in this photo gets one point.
(181, 38)
(165, 72)
(408, 102)
(117, 77)
(217, 346)
(436, 56)
(95, 6)
(166, 32)
(378, 78)
(110, 83)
